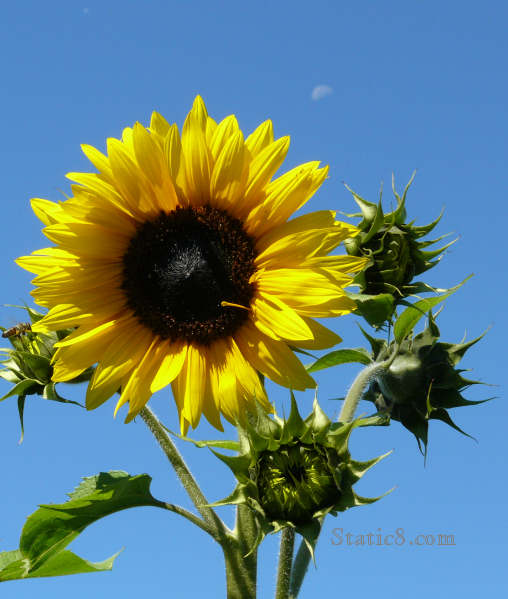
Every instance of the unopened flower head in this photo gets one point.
(422, 382)
(293, 472)
(396, 254)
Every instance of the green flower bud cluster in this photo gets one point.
(27, 363)
(421, 383)
(293, 472)
(396, 254)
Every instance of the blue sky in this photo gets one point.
(405, 85)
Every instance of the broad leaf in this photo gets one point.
(49, 530)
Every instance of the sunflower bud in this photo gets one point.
(27, 364)
(421, 383)
(293, 472)
(396, 255)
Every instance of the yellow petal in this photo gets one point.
(211, 127)
(45, 210)
(159, 125)
(227, 181)
(198, 163)
(40, 264)
(88, 240)
(323, 338)
(129, 180)
(137, 390)
(314, 220)
(225, 129)
(191, 384)
(99, 160)
(119, 359)
(103, 190)
(173, 355)
(273, 358)
(175, 162)
(263, 167)
(277, 320)
(198, 115)
(148, 154)
(295, 248)
(223, 380)
(288, 193)
(72, 360)
(298, 286)
(260, 138)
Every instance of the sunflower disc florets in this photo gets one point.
(293, 472)
(421, 383)
(396, 255)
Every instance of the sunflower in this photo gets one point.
(176, 263)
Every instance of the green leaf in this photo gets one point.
(406, 322)
(22, 388)
(226, 444)
(376, 309)
(14, 567)
(40, 366)
(21, 411)
(51, 393)
(49, 530)
(340, 356)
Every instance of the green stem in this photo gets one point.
(356, 390)
(287, 546)
(186, 514)
(241, 556)
(214, 524)
(300, 567)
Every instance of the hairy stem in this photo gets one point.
(300, 567)
(214, 524)
(356, 390)
(287, 546)
(186, 514)
(241, 556)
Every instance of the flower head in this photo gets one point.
(293, 472)
(422, 382)
(396, 254)
(27, 363)
(176, 264)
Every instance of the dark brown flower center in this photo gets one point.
(180, 267)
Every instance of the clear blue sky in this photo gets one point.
(414, 85)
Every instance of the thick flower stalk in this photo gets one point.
(396, 254)
(422, 382)
(176, 264)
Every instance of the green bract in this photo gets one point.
(27, 364)
(396, 255)
(421, 383)
(293, 472)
